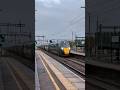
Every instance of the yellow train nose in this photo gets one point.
(66, 51)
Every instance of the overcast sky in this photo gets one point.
(57, 19)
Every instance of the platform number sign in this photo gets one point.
(2, 39)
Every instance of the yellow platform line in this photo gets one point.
(52, 79)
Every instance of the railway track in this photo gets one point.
(72, 63)
(75, 67)
(80, 58)
(77, 61)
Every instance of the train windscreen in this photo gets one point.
(64, 44)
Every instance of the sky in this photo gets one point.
(57, 19)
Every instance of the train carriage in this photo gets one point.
(61, 48)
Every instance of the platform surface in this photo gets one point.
(68, 79)
(15, 75)
(42, 79)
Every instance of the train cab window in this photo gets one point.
(65, 44)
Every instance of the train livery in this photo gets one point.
(61, 48)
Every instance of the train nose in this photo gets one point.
(66, 51)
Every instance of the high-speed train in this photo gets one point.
(61, 48)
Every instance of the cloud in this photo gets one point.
(53, 21)
(49, 3)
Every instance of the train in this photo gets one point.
(61, 48)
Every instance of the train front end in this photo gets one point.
(65, 48)
(66, 51)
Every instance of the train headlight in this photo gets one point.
(69, 48)
(62, 48)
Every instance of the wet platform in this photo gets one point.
(42, 79)
(61, 77)
(14, 75)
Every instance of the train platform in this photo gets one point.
(14, 75)
(42, 79)
(61, 77)
(77, 53)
